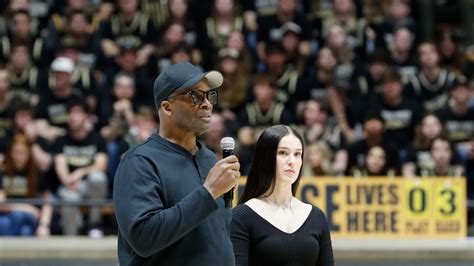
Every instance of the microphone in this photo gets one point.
(227, 146)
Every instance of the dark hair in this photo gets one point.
(31, 167)
(79, 102)
(265, 79)
(262, 171)
(391, 75)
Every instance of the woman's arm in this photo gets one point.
(239, 236)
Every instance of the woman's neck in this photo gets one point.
(281, 196)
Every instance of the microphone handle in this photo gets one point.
(229, 195)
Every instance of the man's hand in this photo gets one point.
(223, 176)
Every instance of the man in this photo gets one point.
(167, 191)
(80, 162)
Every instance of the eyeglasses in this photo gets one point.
(198, 96)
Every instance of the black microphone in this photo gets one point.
(227, 146)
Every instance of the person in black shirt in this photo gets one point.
(21, 178)
(374, 127)
(270, 226)
(270, 27)
(128, 26)
(23, 75)
(167, 190)
(431, 84)
(458, 116)
(401, 114)
(429, 128)
(51, 113)
(80, 162)
(402, 57)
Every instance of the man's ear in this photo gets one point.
(166, 107)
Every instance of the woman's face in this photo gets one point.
(337, 36)
(441, 152)
(290, 41)
(229, 65)
(20, 155)
(326, 59)
(315, 156)
(178, 8)
(375, 160)
(289, 160)
(224, 7)
(236, 41)
(431, 127)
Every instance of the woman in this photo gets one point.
(20, 179)
(270, 226)
(375, 164)
(419, 156)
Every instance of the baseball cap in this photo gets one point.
(181, 76)
(62, 64)
(290, 27)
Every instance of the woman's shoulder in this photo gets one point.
(314, 210)
(240, 210)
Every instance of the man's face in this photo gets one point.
(429, 55)
(21, 25)
(77, 118)
(195, 118)
(62, 79)
(392, 89)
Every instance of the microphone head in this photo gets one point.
(227, 143)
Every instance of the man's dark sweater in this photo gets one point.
(164, 213)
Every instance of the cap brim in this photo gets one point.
(214, 78)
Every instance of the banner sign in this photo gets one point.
(388, 207)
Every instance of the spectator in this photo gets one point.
(21, 178)
(264, 110)
(374, 127)
(224, 20)
(269, 28)
(375, 164)
(317, 160)
(22, 30)
(129, 27)
(317, 82)
(144, 125)
(442, 152)
(236, 41)
(234, 91)
(285, 75)
(431, 84)
(449, 47)
(429, 128)
(51, 114)
(367, 86)
(401, 53)
(400, 113)
(121, 117)
(458, 116)
(397, 16)
(23, 75)
(80, 162)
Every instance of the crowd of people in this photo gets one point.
(358, 80)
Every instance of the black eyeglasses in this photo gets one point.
(198, 96)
